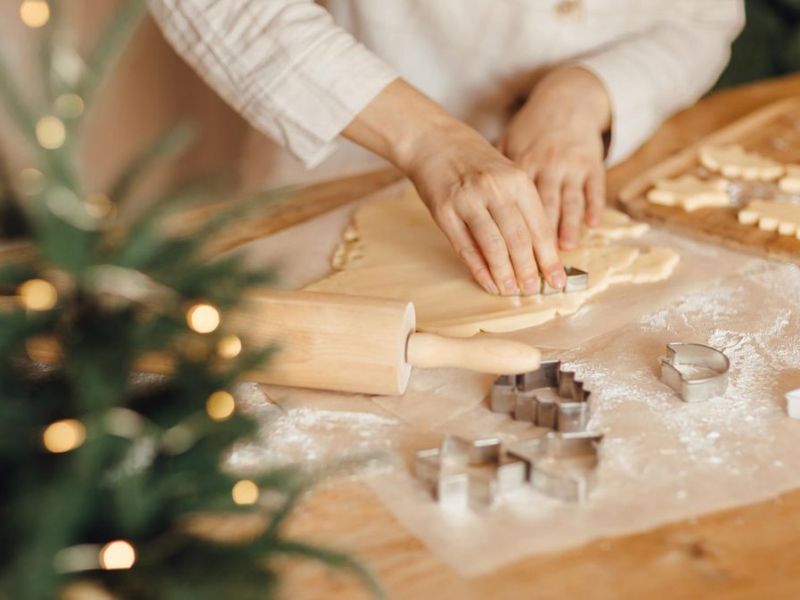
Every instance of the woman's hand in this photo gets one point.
(487, 207)
(557, 139)
(489, 210)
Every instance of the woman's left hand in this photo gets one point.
(557, 139)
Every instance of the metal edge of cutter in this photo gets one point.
(477, 473)
(695, 389)
(547, 397)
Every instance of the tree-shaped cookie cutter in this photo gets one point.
(547, 397)
(478, 473)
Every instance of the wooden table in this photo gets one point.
(749, 552)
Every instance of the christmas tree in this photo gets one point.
(105, 473)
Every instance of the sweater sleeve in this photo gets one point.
(283, 64)
(652, 75)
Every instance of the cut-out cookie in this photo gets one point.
(783, 217)
(404, 255)
(736, 162)
(690, 193)
(790, 182)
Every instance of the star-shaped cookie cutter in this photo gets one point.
(473, 473)
(547, 397)
(689, 388)
(478, 473)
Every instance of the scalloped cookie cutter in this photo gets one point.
(547, 397)
(689, 388)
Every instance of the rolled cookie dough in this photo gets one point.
(734, 161)
(401, 253)
(783, 217)
(790, 182)
(690, 192)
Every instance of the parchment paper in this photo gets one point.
(662, 459)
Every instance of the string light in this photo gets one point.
(31, 181)
(37, 294)
(50, 132)
(220, 406)
(116, 555)
(99, 206)
(69, 106)
(203, 318)
(34, 13)
(245, 492)
(63, 436)
(229, 346)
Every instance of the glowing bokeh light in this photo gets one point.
(245, 492)
(229, 346)
(203, 318)
(116, 555)
(37, 294)
(63, 436)
(34, 13)
(50, 132)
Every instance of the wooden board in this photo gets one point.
(773, 131)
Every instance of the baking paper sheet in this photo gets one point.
(662, 460)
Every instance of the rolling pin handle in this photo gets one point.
(486, 355)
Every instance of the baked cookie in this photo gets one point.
(690, 192)
(736, 162)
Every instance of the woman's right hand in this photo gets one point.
(487, 207)
(489, 210)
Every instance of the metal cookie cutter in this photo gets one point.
(577, 281)
(561, 465)
(473, 473)
(698, 388)
(547, 397)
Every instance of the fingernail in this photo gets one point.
(530, 286)
(510, 287)
(492, 288)
(557, 276)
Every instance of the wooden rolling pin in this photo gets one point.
(343, 343)
(364, 345)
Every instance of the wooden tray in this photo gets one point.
(773, 131)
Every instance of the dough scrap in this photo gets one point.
(404, 255)
(690, 192)
(783, 217)
(790, 182)
(736, 162)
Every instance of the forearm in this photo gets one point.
(406, 127)
(571, 93)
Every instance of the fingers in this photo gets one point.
(494, 247)
(572, 203)
(595, 196)
(543, 239)
(548, 182)
(464, 245)
(514, 230)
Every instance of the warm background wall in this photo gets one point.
(151, 90)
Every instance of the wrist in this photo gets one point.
(577, 93)
(406, 127)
